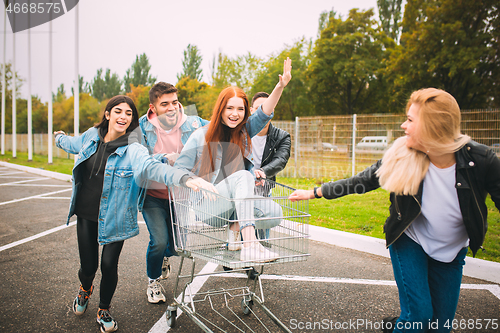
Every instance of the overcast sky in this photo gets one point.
(113, 32)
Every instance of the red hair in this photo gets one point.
(217, 131)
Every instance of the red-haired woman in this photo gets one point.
(221, 154)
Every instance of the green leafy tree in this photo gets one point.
(347, 68)
(191, 64)
(90, 113)
(140, 96)
(83, 86)
(8, 96)
(195, 94)
(60, 95)
(323, 20)
(138, 73)
(240, 71)
(390, 15)
(294, 101)
(452, 45)
(107, 86)
(39, 115)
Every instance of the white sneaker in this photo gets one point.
(255, 252)
(154, 292)
(233, 240)
(165, 269)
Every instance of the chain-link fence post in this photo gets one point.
(354, 145)
(296, 146)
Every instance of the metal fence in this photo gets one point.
(331, 146)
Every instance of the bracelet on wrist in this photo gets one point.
(316, 193)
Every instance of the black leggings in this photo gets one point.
(88, 247)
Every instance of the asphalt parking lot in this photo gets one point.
(338, 288)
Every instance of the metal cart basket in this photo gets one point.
(200, 222)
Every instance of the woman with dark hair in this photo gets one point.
(106, 189)
(221, 154)
(438, 179)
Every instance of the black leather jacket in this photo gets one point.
(276, 152)
(477, 174)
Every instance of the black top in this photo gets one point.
(89, 196)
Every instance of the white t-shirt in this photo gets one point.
(258, 144)
(439, 229)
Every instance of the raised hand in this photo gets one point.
(287, 72)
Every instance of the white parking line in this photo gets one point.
(33, 197)
(161, 325)
(25, 240)
(493, 288)
(11, 173)
(22, 181)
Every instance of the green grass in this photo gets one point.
(61, 165)
(360, 214)
(365, 214)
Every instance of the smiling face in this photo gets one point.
(410, 127)
(166, 108)
(234, 113)
(119, 117)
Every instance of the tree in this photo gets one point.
(107, 86)
(60, 95)
(84, 87)
(140, 96)
(90, 113)
(390, 17)
(196, 95)
(191, 64)
(240, 71)
(8, 96)
(452, 45)
(138, 73)
(347, 68)
(323, 20)
(294, 100)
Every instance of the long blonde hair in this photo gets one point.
(403, 168)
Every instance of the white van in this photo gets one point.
(372, 142)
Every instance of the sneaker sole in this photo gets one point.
(103, 330)
(78, 313)
(153, 301)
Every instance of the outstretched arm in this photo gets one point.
(271, 102)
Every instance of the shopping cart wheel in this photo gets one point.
(171, 317)
(252, 273)
(246, 304)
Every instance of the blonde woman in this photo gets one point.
(438, 180)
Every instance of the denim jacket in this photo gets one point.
(193, 149)
(127, 168)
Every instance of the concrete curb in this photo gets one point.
(40, 172)
(476, 268)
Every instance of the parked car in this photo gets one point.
(329, 146)
(372, 142)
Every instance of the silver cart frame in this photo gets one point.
(200, 232)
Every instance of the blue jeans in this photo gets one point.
(428, 289)
(236, 195)
(157, 216)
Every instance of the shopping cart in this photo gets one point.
(200, 222)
